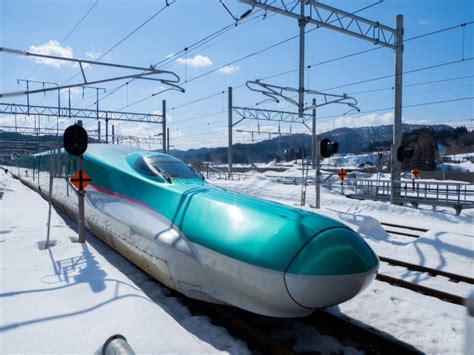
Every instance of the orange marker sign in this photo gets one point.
(342, 174)
(80, 180)
(415, 172)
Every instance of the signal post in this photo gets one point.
(75, 143)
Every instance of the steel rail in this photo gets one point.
(404, 227)
(444, 296)
(431, 271)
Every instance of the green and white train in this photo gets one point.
(219, 246)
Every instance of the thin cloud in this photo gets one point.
(197, 61)
(93, 55)
(229, 69)
(423, 22)
(52, 47)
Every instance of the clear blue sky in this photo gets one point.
(35, 23)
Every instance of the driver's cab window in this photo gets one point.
(172, 167)
(142, 166)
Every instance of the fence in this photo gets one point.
(416, 192)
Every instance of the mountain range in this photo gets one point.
(351, 140)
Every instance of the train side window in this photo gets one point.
(142, 166)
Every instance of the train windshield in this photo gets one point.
(172, 167)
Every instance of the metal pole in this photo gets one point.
(16, 124)
(80, 214)
(164, 125)
(313, 136)
(317, 182)
(302, 25)
(98, 130)
(50, 200)
(28, 96)
(59, 113)
(229, 147)
(168, 140)
(106, 128)
(113, 134)
(397, 115)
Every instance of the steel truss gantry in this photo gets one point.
(274, 92)
(81, 113)
(326, 16)
(267, 115)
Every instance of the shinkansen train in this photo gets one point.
(220, 246)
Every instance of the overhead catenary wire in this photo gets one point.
(362, 112)
(130, 34)
(255, 53)
(341, 58)
(409, 85)
(405, 72)
(188, 49)
(70, 32)
(421, 92)
(405, 106)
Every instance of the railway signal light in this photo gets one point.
(75, 140)
(404, 153)
(328, 148)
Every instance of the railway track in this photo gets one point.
(258, 331)
(415, 232)
(406, 231)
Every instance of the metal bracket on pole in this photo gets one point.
(274, 92)
(172, 81)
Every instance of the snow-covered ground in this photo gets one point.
(429, 324)
(72, 297)
(460, 163)
(463, 166)
(74, 292)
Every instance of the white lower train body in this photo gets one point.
(157, 246)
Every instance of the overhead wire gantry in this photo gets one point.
(325, 16)
(171, 81)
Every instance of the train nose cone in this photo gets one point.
(330, 269)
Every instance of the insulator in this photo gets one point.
(13, 51)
